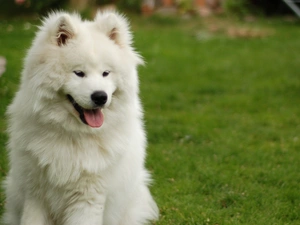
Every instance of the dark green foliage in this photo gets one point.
(28, 7)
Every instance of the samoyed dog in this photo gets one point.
(76, 137)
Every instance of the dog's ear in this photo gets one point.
(115, 26)
(59, 27)
(65, 30)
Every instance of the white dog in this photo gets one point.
(76, 137)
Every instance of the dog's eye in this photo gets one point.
(105, 73)
(79, 73)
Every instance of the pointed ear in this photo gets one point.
(115, 27)
(65, 30)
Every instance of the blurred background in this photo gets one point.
(148, 7)
(220, 90)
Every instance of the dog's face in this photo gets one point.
(86, 63)
(92, 74)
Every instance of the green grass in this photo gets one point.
(222, 115)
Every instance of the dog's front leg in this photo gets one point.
(85, 212)
(34, 213)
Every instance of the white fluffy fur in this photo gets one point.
(62, 171)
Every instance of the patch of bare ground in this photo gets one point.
(246, 29)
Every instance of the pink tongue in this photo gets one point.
(93, 117)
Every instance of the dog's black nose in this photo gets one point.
(99, 98)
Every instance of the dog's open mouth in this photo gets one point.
(92, 117)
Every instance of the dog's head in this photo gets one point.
(81, 67)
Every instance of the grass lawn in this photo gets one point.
(222, 114)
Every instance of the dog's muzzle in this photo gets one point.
(92, 117)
